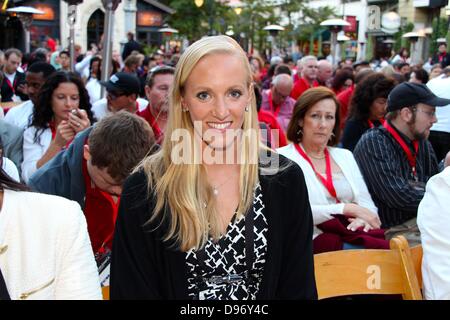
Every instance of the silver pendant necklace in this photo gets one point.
(216, 188)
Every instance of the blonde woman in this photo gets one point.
(193, 226)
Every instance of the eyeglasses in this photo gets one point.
(430, 114)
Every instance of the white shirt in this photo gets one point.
(21, 115)
(46, 252)
(10, 77)
(33, 151)
(94, 90)
(433, 220)
(441, 88)
(321, 208)
(100, 108)
(10, 168)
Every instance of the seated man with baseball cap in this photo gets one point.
(396, 159)
(122, 94)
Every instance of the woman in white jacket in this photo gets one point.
(334, 181)
(45, 251)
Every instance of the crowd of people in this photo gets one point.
(215, 174)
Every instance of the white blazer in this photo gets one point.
(433, 220)
(45, 251)
(320, 207)
(33, 151)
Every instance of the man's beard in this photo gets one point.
(416, 134)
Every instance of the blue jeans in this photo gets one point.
(349, 246)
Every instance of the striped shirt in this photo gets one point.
(388, 174)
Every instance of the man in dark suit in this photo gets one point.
(13, 84)
(130, 46)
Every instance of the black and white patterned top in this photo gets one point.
(227, 257)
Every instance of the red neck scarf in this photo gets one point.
(411, 157)
(328, 182)
(371, 125)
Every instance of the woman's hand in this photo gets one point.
(79, 120)
(64, 134)
(356, 223)
(355, 211)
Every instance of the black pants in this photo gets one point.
(440, 142)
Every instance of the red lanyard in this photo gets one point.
(328, 182)
(10, 85)
(371, 125)
(274, 110)
(406, 149)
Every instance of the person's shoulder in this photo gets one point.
(280, 168)
(441, 179)
(286, 150)
(52, 206)
(341, 152)
(100, 104)
(10, 129)
(136, 182)
(373, 135)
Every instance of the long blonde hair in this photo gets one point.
(183, 188)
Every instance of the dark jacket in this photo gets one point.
(145, 267)
(6, 91)
(129, 47)
(353, 131)
(445, 60)
(63, 175)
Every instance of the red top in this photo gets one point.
(301, 86)
(101, 213)
(148, 116)
(344, 99)
(269, 119)
(51, 44)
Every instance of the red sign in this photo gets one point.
(353, 24)
(149, 18)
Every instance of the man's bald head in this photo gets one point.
(324, 71)
(281, 88)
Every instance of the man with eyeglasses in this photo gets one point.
(277, 100)
(396, 159)
(122, 94)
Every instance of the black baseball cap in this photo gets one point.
(123, 81)
(408, 94)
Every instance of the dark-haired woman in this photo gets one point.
(93, 86)
(343, 80)
(367, 108)
(63, 110)
(341, 205)
(44, 255)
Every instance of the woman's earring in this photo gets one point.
(331, 137)
(246, 109)
(299, 131)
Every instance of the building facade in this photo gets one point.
(142, 17)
